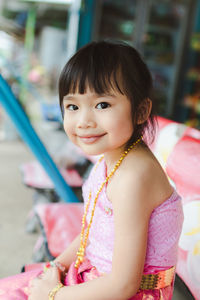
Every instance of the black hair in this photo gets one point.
(104, 66)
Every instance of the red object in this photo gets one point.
(161, 122)
(183, 167)
(195, 133)
(35, 176)
(61, 222)
(32, 267)
(48, 265)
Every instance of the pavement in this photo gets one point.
(16, 246)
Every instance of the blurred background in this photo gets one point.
(37, 38)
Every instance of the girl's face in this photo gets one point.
(98, 123)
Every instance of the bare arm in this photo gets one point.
(69, 255)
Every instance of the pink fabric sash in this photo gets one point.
(84, 273)
(87, 272)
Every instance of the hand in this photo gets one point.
(62, 270)
(43, 284)
(61, 267)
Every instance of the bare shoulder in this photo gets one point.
(142, 180)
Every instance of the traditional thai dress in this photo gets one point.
(163, 234)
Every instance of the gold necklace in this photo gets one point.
(83, 241)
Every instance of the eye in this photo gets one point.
(71, 107)
(102, 105)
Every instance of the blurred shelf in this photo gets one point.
(162, 29)
(50, 1)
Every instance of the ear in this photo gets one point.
(144, 111)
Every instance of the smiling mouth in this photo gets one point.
(91, 138)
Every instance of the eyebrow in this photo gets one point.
(106, 95)
(72, 97)
(69, 97)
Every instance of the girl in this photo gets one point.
(127, 248)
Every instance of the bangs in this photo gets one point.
(91, 68)
(78, 79)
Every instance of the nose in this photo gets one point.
(86, 120)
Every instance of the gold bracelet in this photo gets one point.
(55, 290)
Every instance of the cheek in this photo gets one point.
(124, 125)
(128, 122)
(65, 126)
(125, 130)
(68, 126)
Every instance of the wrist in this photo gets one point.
(53, 292)
(54, 263)
(61, 263)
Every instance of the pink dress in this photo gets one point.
(164, 230)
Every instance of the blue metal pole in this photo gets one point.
(86, 23)
(28, 134)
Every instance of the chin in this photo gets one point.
(92, 150)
